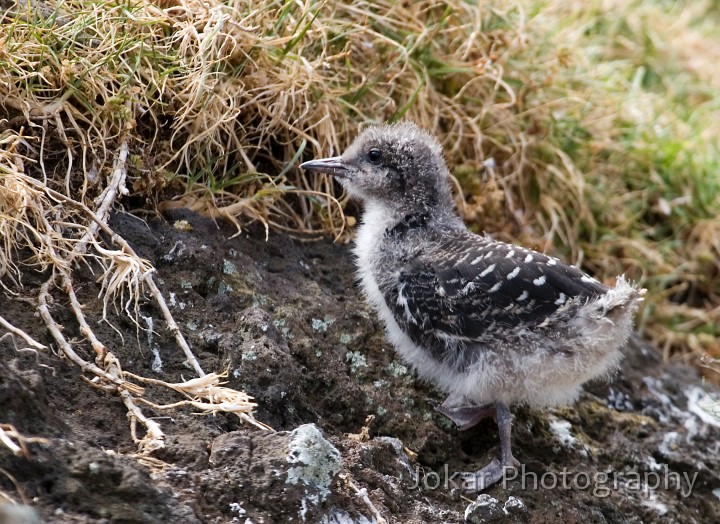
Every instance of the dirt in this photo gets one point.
(356, 440)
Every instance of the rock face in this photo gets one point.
(357, 439)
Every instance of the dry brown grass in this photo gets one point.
(581, 127)
(50, 231)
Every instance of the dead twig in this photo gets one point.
(154, 437)
(20, 333)
(363, 496)
(18, 488)
(145, 273)
(208, 395)
(66, 348)
(16, 441)
(123, 267)
(116, 185)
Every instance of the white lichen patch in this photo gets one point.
(484, 509)
(561, 429)
(513, 505)
(177, 251)
(281, 325)
(346, 338)
(249, 355)
(489, 509)
(670, 444)
(716, 492)
(224, 288)
(356, 360)
(315, 463)
(702, 413)
(237, 508)
(706, 408)
(229, 268)
(157, 365)
(655, 387)
(322, 325)
(396, 369)
(652, 502)
(652, 464)
(173, 301)
(401, 456)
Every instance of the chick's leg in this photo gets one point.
(495, 470)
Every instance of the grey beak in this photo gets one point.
(332, 166)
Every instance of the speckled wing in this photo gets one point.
(471, 287)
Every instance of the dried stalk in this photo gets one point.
(115, 185)
(363, 495)
(66, 348)
(147, 278)
(154, 437)
(209, 387)
(128, 266)
(20, 333)
(41, 228)
(16, 441)
(17, 486)
(85, 330)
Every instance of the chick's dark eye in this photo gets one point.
(374, 155)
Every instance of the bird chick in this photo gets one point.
(492, 324)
